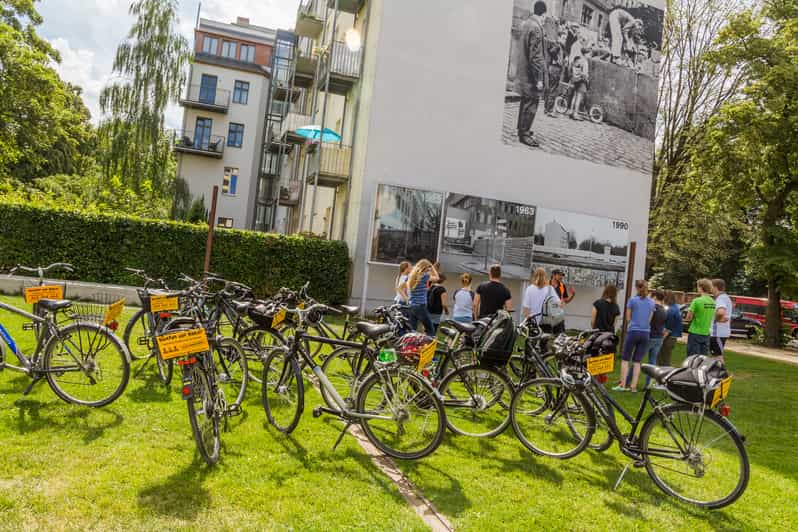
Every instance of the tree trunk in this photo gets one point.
(773, 315)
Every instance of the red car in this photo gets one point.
(756, 308)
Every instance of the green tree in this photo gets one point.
(152, 65)
(748, 159)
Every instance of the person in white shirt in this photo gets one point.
(463, 310)
(721, 324)
(537, 293)
(402, 297)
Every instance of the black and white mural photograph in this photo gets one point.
(582, 79)
(407, 225)
(590, 250)
(479, 232)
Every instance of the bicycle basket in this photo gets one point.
(104, 309)
(700, 382)
(416, 349)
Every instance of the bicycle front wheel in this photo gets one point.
(138, 336)
(344, 368)
(544, 413)
(699, 459)
(86, 364)
(476, 400)
(282, 390)
(405, 419)
(258, 342)
(230, 363)
(203, 416)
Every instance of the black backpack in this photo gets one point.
(497, 342)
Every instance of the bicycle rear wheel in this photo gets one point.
(344, 368)
(282, 390)
(707, 464)
(409, 420)
(138, 336)
(544, 412)
(258, 342)
(476, 399)
(203, 416)
(230, 363)
(86, 364)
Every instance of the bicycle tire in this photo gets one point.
(232, 373)
(464, 356)
(96, 337)
(735, 444)
(423, 402)
(256, 348)
(470, 392)
(280, 373)
(549, 399)
(206, 433)
(139, 318)
(340, 369)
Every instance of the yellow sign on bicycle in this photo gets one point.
(426, 354)
(36, 293)
(278, 318)
(182, 343)
(114, 311)
(721, 392)
(164, 303)
(601, 365)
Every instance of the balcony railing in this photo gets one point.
(335, 163)
(199, 143)
(290, 191)
(344, 61)
(310, 17)
(294, 121)
(208, 98)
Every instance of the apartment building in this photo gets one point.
(224, 105)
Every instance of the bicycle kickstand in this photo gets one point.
(36, 379)
(341, 436)
(620, 477)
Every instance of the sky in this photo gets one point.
(87, 32)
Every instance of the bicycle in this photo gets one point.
(679, 443)
(84, 362)
(397, 408)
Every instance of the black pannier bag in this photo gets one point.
(696, 381)
(601, 343)
(497, 341)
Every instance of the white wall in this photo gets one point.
(435, 122)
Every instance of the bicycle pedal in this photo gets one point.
(143, 341)
(317, 412)
(234, 410)
(640, 463)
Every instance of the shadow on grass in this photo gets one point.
(152, 390)
(181, 495)
(447, 494)
(34, 416)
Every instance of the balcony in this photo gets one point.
(290, 191)
(198, 144)
(206, 98)
(291, 123)
(310, 18)
(335, 164)
(305, 63)
(344, 67)
(347, 6)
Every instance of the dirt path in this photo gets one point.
(780, 355)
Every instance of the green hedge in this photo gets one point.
(101, 246)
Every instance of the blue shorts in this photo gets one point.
(697, 344)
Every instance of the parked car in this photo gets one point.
(741, 325)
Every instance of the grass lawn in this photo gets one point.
(133, 465)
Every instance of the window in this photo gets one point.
(235, 136)
(227, 223)
(229, 49)
(587, 15)
(210, 45)
(241, 92)
(600, 21)
(207, 92)
(202, 134)
(230, 181)
(248, 53)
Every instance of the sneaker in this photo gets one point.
(619, 388)
(530, 141)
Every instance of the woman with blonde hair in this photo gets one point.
(417, 285)
(402, 296)
(536, 294)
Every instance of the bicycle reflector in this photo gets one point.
(724, 410)
(187, 390)
(602, 379)
(114, 325)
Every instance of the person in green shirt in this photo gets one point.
(700, 316)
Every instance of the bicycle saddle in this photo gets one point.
(372, 330)
(54, 305)
(348, 309)
(466, 328)
(658, 373)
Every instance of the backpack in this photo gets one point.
(496, 343)
(553, 313)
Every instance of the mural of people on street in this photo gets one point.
(593, 65)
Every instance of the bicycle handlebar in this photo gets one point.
(40, 271)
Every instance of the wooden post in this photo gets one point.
(630, 279)
(211, 225)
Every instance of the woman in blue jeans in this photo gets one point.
(639, 310)
(422, 274)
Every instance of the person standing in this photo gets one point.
(532, 72)
(625, 32)
(421, 274)
(492, 296)
(700, 315)
(565, 294)
(721, 322)
(402, 297)
(673, 329)
(463, 310)
(436, 301)
(536, 294)
(639, 310)
(657, 335)
(605, 310)
(554, 65)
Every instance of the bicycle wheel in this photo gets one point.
(343, 368)
(138, 330)
(230, 363)
(203, 416)
(282, 390)
(602, 437)
(258, 342)
(86, 364)
(464, 356)
(705, 461)
(409, 420)
(476, 399)
(542, 419)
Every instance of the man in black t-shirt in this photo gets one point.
(492, 296)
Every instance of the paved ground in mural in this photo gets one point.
(582, 139)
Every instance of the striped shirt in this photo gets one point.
(418, 295)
